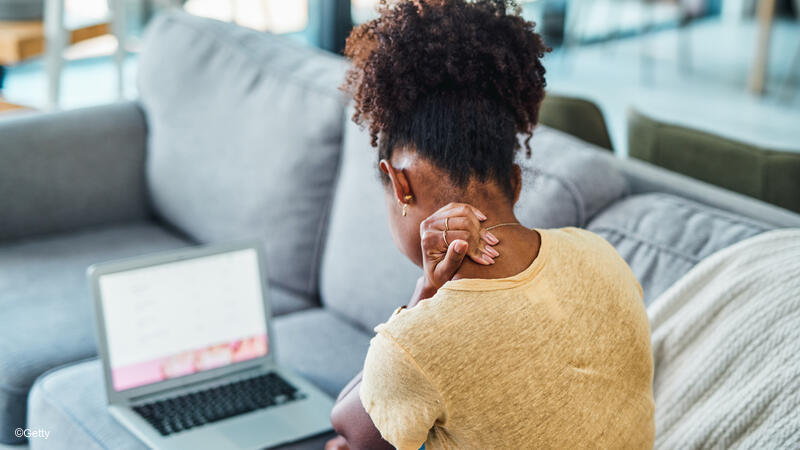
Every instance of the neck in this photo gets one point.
(518, 247)
(496, 210)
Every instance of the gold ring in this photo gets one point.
(446, 227)
(444, 235)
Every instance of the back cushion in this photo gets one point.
(662, 236)
(245, 133)
(566, 181)
(365, 277)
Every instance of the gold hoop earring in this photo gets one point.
(407, 199)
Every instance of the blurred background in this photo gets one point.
(729, 67)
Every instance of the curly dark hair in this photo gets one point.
(455, 80)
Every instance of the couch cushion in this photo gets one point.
(321, 346)
(285, 302)
(577, 116)
(360, 246)
(46, 304)
(768, 174)
(566, 182)
(57, 174)
(662, 236)
(70, 401)
(245, 134)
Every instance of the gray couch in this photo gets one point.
(239, 134)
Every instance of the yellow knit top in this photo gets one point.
(557, 356)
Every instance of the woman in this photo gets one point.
(515, 338)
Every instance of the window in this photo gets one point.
(277, 16)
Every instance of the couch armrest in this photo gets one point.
(644, 177)
(65, 170)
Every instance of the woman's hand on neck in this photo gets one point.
(417, 189)
(518, 247)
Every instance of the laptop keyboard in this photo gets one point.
(191, 410)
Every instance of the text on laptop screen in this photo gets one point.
(183, 317)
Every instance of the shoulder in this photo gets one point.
(587, 254)
(435, 329)
(409, 326)
(576, 239)
(571, 243)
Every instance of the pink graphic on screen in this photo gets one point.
(183, 317)
(188, 362)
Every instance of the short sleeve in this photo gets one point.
(397, 395)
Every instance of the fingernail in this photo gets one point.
(480, 215)
(491, 251)
(492, 239)
(487, 259)
(460, 247)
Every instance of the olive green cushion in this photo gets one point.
(578, 117)
(769, 175)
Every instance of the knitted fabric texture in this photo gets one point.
(726, 345)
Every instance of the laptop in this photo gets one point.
(188, 353)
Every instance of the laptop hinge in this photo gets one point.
(188, 386)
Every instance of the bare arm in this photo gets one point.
(353, 423)
(350, 386)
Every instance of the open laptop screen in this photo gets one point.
(183, 317)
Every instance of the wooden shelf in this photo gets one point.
(4, 106)
(23, 40)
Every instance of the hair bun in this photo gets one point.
(422, 48)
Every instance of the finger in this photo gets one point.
(478, 213)
(489, 250)
(462, 207)
(334, 444)
(454, 235)
(455, 217)
(489, 237)
(478, 252)
(452, 260)
(452, 223)
(436, 247)
(455, 220)
(481, 257)
(433, 242)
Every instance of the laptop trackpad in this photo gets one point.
(268, 428)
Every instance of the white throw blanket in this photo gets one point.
(726, 344)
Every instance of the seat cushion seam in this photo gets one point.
(14, 390)
(734, 220)
(629, 235)
(55, 404)
(71, 417)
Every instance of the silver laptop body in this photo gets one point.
(187, 323)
